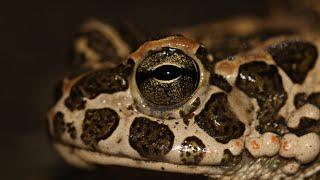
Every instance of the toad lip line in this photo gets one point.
(108, 159)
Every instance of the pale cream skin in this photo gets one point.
(301, 150)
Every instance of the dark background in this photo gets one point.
(34, 39)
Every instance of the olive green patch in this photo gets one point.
(150, 139)
(263, 82)
(296, 58)
(218, 120)
(98, 124)
(97, 82)
(192, 150)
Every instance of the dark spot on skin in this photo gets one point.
(98, 124)
(71, 130)
(186, 119)
(192, 150)
(220, 82)
(305, 126)
(195, 104)
(300, 99)
(215, 79)
(97, 82)
(59, 125)
(188, 114)
(229, 159)
(202, 54)
(262, 81)
(218, 120)
(150, 139)
(119, 141)
(296, 58)
(162, 168)
(314, 99)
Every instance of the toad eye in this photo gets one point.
(167, 77)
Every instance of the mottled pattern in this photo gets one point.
(169, 85)
(192, 150)
(150, 139)
(98, 124)
(263, 82)
(296, 58)
(97, 82)
(218, 120)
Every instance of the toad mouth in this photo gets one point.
(85, 158)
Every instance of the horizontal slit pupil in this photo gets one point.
(166, 72)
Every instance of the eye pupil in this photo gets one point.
(166, 72)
